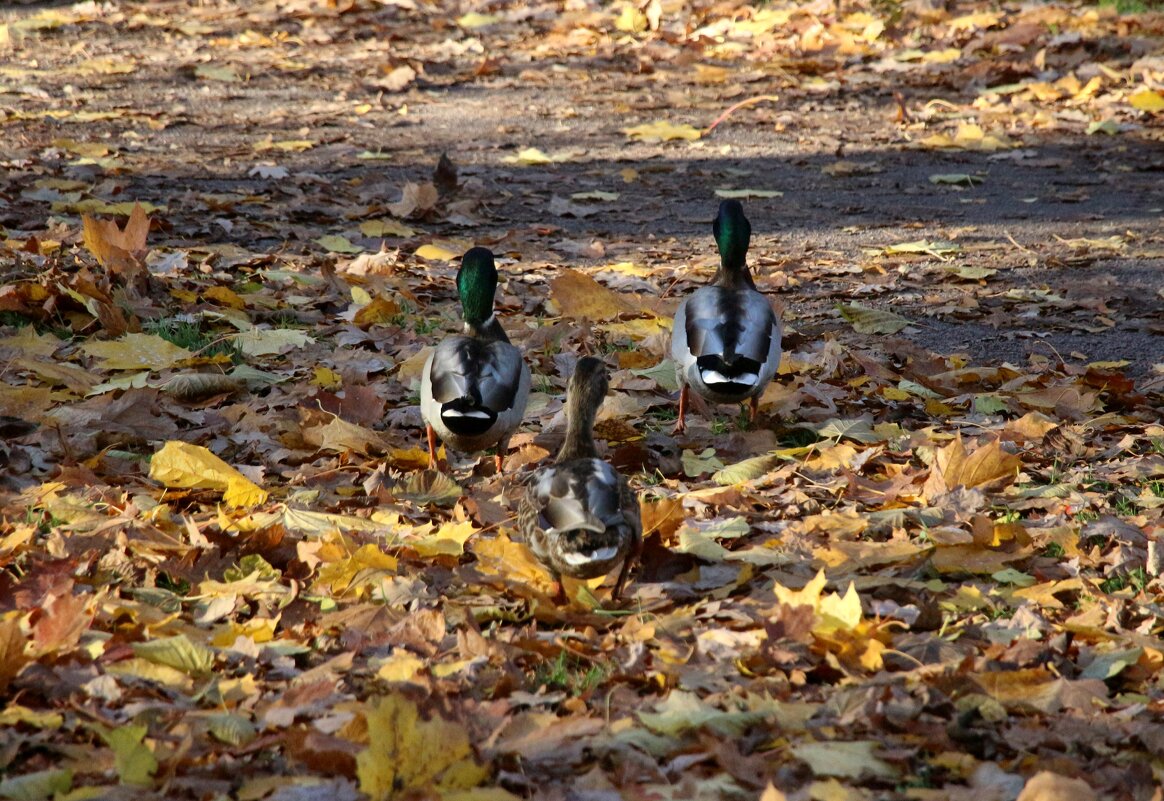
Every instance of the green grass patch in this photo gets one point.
(572, 674)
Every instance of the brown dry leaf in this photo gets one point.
(987, 466)
(1048, 786)
(62, 622)
(340, 436)
(120, 250)
(578, 295)
(416, 200)
(13, 647)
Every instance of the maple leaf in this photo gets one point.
(120, 250)
(578, 295)
(407, 753)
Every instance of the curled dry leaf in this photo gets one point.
(198, 386)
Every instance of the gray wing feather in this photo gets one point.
(488, 372)
(720, 320)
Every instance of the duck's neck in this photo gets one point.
(488, 329)
(733, 275)
(580, 414)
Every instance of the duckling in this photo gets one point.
(579, 516)
(475, 385)
(726, 338)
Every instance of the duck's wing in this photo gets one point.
(468, 377)
(728, 322)
(733, 335)
(579, 506)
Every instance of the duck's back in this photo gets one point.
(470, 368)
(576, 512)
(721, 321)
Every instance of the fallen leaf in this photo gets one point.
(662, 131)
(408, 754)
(578, 295)
(848, 760)
(180, 464)
(136, 352)
(872, 321)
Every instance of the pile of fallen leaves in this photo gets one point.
(226, 573)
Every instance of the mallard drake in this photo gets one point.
(579, 515)
(475, 385)
(726, 338)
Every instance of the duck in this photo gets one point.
(475, 385)
(579, 515)
(725, 340)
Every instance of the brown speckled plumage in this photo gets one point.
(579, 516)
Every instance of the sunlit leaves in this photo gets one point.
(968, 136)
(532, 156)
(179, 464)
(968, 515)
(578, 295)
(988, 464)
(135, 761)
(436, 253)
(1147, 100)
(850, 759)
(415, 200)
(178, 652)
(136, 352)
(37, 785)
(407, 753)
(217, 72)
(268, 341)
(746, 470)
(336, 243)
(662, 131)
(930, 248)
(743, 194)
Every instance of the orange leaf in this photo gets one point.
(579, 295)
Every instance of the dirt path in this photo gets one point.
(958, 210)
(1071, 221)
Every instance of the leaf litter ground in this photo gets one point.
(932, 571)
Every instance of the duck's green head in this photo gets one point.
(732, 233)
(476, 284)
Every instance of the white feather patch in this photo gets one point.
(716, 377)
(470, 413)
(582, 558)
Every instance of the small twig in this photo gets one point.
(1017, 245)
(749, 102)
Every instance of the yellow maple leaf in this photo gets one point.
(356, 573)
(1147, 100)
(180, 464)
(401, 666)
(809, 596)
(407, 754)
(839, 611)
(136, 352)
(662, 131)
(434, 252)
(503, 557)
(530, 156)
(448, 540)
(258, 629)
(578, 295)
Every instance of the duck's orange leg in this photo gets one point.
(432, 448)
